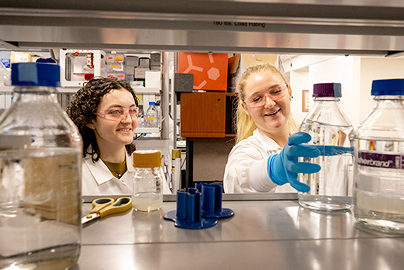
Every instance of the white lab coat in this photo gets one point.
(246, 168)
(97, 179)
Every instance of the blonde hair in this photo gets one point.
(245, 124)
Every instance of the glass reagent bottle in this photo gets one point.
(379, 155)
(151, 116)
(158, 115)
(331, 187)
(40, 170)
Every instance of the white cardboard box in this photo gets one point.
(153, 79)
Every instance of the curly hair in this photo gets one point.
(82, 108)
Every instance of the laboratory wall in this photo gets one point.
(372, 68)
(340, 70)
(299, 80)
(355, 73)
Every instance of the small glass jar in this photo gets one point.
(147, 182)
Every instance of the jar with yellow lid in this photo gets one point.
(147, 182)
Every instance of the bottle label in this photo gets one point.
(379, 160)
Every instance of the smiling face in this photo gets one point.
(114, 134)
(272, 117)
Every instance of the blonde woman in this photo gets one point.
(265, 156)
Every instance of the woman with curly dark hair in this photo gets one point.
(105, 110)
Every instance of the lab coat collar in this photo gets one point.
(267, 142)
(101, 172)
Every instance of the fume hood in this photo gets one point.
(361, 27)
(293, 27)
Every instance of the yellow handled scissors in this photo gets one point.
(107, 206)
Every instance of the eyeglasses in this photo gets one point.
(119, 114)
(259, 99)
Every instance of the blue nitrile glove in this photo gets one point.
(283, 167)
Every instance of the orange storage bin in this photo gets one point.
(209, 69)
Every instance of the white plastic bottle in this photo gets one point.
(331, 187)
(379, 157)
(151, 115)
(147, 181)
(40, 170)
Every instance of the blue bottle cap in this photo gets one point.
(391, 87)
(35, 74)
(327, 90)
(152, 103)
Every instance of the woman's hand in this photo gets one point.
(284, 167)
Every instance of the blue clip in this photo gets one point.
(188, 213)
(212, 201)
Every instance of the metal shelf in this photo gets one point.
(6, 88)
(138, 89)
(146, 90)
(146, 130)
(279, 26)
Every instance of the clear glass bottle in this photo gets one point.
(147, 181)
(40, 174)
(158, 114)
(331, 187)
(379, 155)
(140, 120)
(151, 115)
(175, 170)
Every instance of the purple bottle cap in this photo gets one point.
(327, 90)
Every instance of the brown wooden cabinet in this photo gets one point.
(207, 124)
(203, 115)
